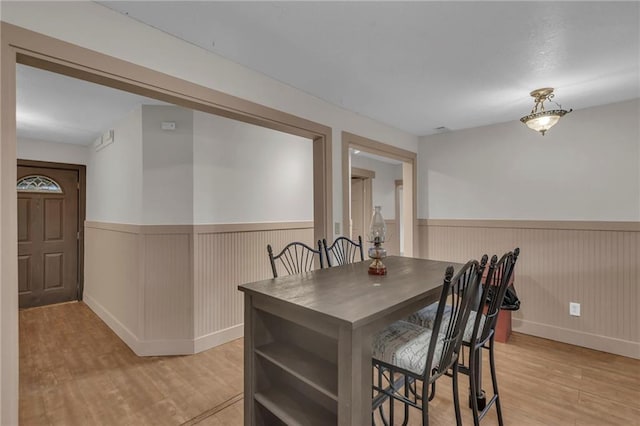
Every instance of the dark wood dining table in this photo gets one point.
(307, 350)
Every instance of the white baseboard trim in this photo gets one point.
(139, 347)
(165, 347)
(114, 324)
(218, 338)
(579, 338)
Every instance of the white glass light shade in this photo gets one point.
(543, 121)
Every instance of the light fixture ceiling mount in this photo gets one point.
(539, 119)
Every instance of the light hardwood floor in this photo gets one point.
(75, 371)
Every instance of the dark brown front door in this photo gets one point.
(47, 236)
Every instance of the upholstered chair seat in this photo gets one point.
(426, 318)
(405, 345)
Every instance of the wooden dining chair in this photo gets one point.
(405, 354)
(295, 258)
(343, 251)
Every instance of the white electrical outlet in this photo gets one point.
(337, 228)
(574, 309)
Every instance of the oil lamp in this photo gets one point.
(377, 234)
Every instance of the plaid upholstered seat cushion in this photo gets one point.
(468, 329)
(426, 317)
(405, 345)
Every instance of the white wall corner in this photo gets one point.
(145, 347)
(114, 324)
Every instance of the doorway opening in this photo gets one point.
(361, 202)
(394, 187)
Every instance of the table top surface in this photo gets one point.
(349, 294)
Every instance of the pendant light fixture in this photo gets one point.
(539, 119)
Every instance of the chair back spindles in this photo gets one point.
(460, 293)
(295, 258)
(343, 251)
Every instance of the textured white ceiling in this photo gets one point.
(416, 66)
(421, 65)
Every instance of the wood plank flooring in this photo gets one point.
(75, 371)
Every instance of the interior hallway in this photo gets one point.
(75, 371)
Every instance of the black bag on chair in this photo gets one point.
(510, 301)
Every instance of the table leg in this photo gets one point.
(249, 371)
(354, 376)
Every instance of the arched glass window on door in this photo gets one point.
(38, 183)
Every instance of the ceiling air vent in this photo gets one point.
(442, 129)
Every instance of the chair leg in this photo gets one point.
(392, 416)
(473, 384)
(425, 407)
(405, 421)
(383, 417)
(494, 380)
(476, 369)
(433, 391)
(456, 396)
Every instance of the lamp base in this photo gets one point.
(377, 268)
